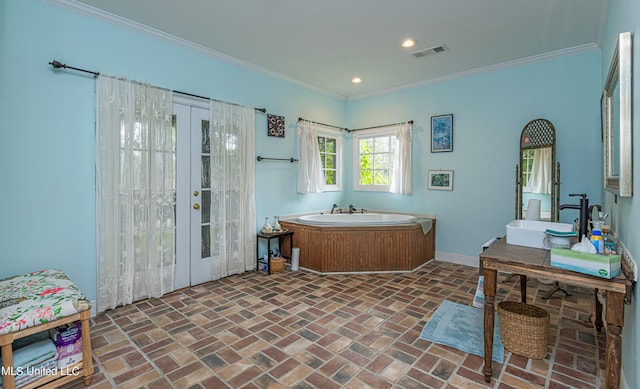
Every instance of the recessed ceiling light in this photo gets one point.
(356, 80)
(408, 43)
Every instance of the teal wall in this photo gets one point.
(624, 15)
(489, 111)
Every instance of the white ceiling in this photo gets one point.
(325, 43)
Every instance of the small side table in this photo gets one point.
(268, 237)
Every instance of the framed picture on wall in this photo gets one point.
(275, 125)
(440, 179)
(441, 133)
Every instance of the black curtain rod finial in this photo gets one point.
(60, 65)
(57, 64)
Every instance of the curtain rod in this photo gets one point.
(322, 124)
(386, 125)
(58, 65)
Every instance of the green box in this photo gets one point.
(599, 265)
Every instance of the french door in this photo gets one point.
(193, 193)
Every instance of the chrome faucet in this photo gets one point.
(334, 208)
(584, 212)
(352, 209)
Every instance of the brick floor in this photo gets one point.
(303, 330)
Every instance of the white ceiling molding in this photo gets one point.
(515, 35)
(486, 69)
(87, 10)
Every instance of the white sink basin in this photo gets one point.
(530, 233)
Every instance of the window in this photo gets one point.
(374, 151)
(330, 150)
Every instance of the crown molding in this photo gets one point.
(96, 13)
(93, 12)
(486, 69)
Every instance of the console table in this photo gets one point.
(530, 262)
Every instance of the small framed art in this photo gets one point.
(275, 125)
(441, 133)
(440, 179)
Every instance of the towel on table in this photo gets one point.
(32, 355)
(426, 223)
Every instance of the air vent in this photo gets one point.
(430, 50)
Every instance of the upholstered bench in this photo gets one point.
(36, 302)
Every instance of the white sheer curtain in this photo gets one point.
(233, 210)
(401, 180)
(310, 175)
(540, 178)
(135, 185)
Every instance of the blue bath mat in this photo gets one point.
(462, 327)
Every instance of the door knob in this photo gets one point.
(196, 206)
(196, 193)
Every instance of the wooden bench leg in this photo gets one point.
(87, 361)
(8, 379)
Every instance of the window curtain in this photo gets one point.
(233, 211)
(540, 178)
(310, 175)
(135, 181)
(401, 180)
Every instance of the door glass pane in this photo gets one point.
(206, 172)
(206, 242)
(206, 145)
(206, 206)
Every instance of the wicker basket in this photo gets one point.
(277, 264)
(524, 329)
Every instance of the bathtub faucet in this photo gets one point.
(334, 208)
(352, 209)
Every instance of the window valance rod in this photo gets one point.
(322, 124)
(386, 125)
(58, 65)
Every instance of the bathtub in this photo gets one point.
(356, 219)
(361, 243)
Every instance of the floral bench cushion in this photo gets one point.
(35, 298)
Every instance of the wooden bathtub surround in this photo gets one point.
(337, 249)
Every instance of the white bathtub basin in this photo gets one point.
(531, 233)
(356, 219)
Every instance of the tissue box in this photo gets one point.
(599, 265)
(68, 341)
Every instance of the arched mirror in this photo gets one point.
(538, 175)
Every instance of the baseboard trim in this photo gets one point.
(457, 258)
